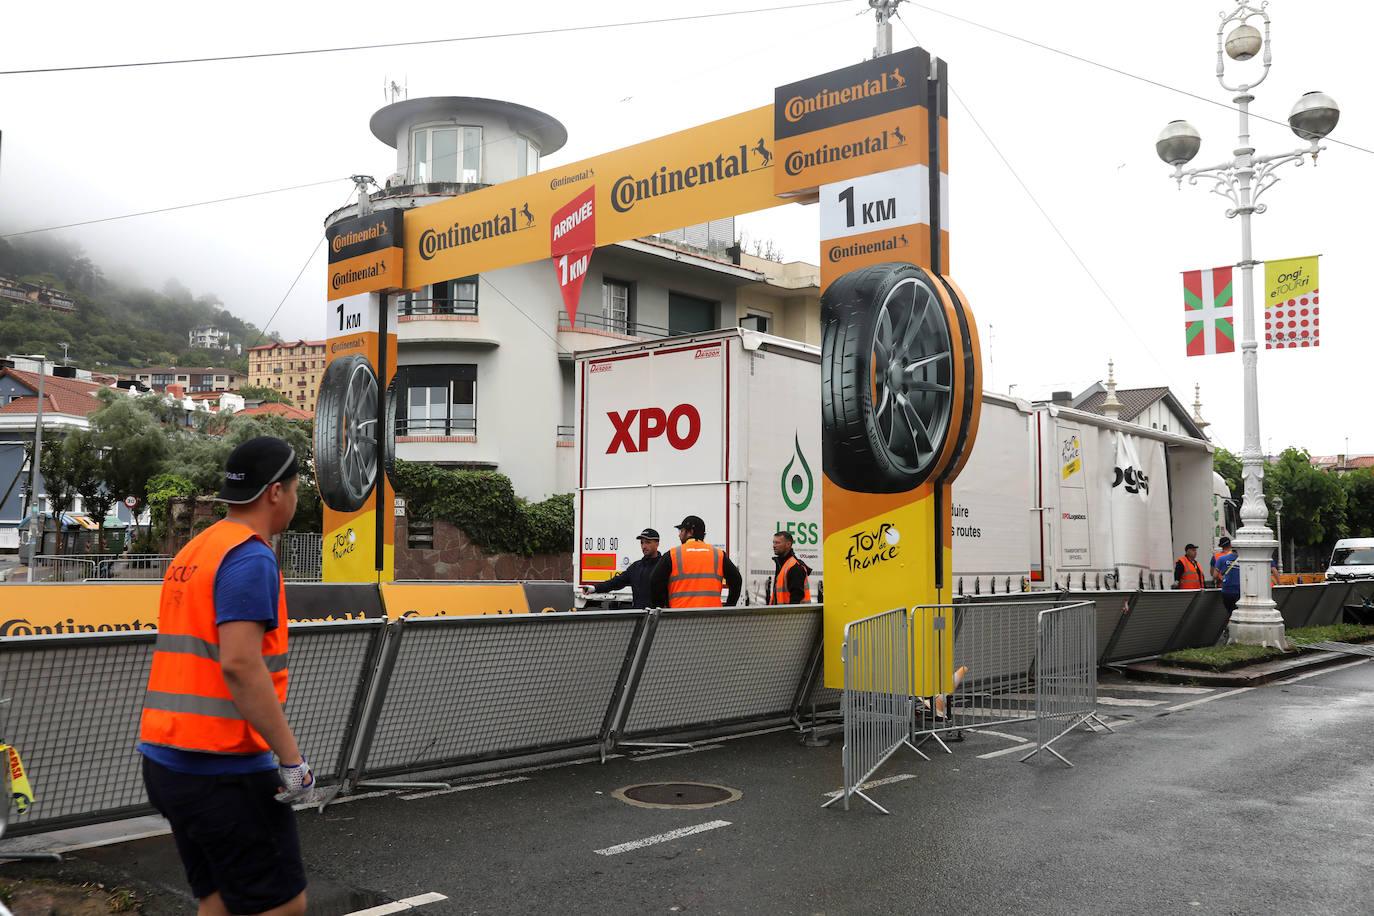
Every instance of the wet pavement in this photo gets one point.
(1203, 801)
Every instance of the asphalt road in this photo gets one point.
(1203, 801)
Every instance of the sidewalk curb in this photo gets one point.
(1249, 676)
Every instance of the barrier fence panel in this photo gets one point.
(877, 700)
(73, 714)
(301, 555)
(1147, 628)
(455, 690)
(1296, 603)
(1330, 604)
(76, 700)
(1066, 675)
(61, 569)
(719, 666)
(1204, 623)
(132, 566)
(331, 664)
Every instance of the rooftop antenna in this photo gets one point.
(394, 91)
(883, 11)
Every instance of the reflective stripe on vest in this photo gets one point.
(781, 593)
(693, 565)
(1192, 574)
(188, 705)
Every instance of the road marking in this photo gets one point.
(344, 799)
(661, 838)
(1320, 671)
(689, 750)
(1156, 688)
(988, 731)
(1014, 749)
(1218, 696)
(1123, 701)
(400, 906)
(465, 787)
(886, 781)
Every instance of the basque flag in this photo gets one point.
(1207, 309)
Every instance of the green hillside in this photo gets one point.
(114, 326)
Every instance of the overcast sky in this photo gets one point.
(92, 144)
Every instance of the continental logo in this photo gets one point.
(894, 242)
(357, 237)
(353, 344)
(799, 161)
(457, 235)
(629, 190)
(341, 278)
(564, 180)
(798, 107)
(20, 626)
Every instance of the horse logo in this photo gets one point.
(529, 217)
(763, 153)
(898, 78)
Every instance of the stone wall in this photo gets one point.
(442, 551)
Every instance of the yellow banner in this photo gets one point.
(1290, 281)
(20, 790)
(403, 599)
(719, 169)
(45, 609)
(1292, 304)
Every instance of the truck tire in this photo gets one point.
(389, 434)
(887, 376)
(346, 446)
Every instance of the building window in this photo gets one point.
(438, 400)
(451, 297)
(615, 306)
(691, 314)
(756, 322)
(526, 157)
(446, 153)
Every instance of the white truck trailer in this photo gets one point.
(726, 425)
(723, 425)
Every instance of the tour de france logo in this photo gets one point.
(874, 547)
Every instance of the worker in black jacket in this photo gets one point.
(636, 575)
(789, 584)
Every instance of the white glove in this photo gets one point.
(298, 783)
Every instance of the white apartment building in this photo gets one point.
(484, 367)
(206, 337)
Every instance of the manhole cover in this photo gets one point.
(676, 795)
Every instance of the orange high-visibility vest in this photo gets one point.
(696, 576)
(188, 705)
(1192, 574)
(781, 593)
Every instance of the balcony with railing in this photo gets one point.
(451, 441)
(593, 330)
(428, 320)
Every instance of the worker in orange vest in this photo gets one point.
(790, 584)
(1187, 572)
(213, 712)
(693, 573)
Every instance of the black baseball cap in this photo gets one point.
(1190, 547)
(648, 534)
(1224, 542)
(694, 524)
(254, 466)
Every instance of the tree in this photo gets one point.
(1359, 503)
(134, 444)
(263, 393)
(57, 483)
(89, 471)
(1229, 467)
(1314, 501)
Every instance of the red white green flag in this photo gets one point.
(1208, 311)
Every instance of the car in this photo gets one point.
(1352, 558)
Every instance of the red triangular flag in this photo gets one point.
(572, 239)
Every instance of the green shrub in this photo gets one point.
(483, 505)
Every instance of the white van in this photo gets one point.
(1352, 558)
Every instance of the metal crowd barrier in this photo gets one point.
(877, 699)
(60, 569)
(75, 702)
(136, 566)
(1147, 625)
(1065, 675)
(1203, 625)
(716, 667)
(457, 690)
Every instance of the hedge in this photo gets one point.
(484, 506)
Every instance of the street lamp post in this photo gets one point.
(1243, 180)
(1278, 518)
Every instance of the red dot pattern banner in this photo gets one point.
(1293, 323)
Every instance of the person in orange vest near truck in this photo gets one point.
(693, 573)
(213, 713)
(789, 582)
(1187, 571)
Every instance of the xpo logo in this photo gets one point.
(635, 429)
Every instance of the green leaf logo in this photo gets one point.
(797, 485)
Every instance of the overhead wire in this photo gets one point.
(524, 33)
(1045, 213)
(1118, 71)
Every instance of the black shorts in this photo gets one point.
(233, 836)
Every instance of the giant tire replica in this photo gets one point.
(897, 365)
(346, 447)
